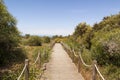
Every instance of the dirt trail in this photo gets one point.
(61, 66)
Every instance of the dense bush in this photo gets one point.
(17, 55)
(106, 49)
(46, 39)
(80, 29)
(72, 43)
(27, 36)
(100, 42)
(34, 41)
(9, 37)
(109, 22)
(83, 34)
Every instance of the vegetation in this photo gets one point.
(100, 42)
(9, 38)
(32, 53)
(14, 48)
(106, 49)
(46, 39)
(34, 41)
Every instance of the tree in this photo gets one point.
(80, 29)
(27, 36)
(83, 34)
(108, 23)
(9, 34)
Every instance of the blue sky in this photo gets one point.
(58, 17)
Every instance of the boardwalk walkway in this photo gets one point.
(60, 66)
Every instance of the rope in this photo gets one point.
(36, 59)
(26, 66)
(84, 62)
(74, 53)
(99, 72)
(22, 72)
(77, 55)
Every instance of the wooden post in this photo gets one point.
(94, 73)
(79, 64)
(73, 58)
(27, 69)
(73, 55)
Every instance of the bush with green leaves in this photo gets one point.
(111, 22)
(72, 43)
(34, 41)
(44, 53)
(9, 37)
(106, 47)
(83, 34)
(46, 39)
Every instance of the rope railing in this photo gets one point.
(22, 72)
(25, 69)
(74, 53)
(80, 60)
(99, 72)
(84, 62)
(95, 68)
(38, 57)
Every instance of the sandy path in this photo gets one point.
(61, 67)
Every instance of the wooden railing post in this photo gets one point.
(73, 55)
(27, 69)
(94, 73)
(73, 58)
(79, 64)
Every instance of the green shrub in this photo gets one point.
(27, 36)
(87, 57)
(34, 41)
(46, 39)
(106, 47)
(111, 72)
(9, 38)
(72, 43)
(44, 53)
(17, 55)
